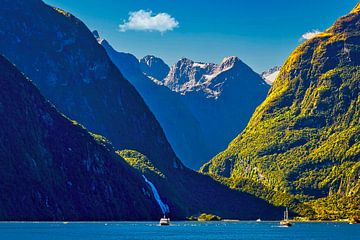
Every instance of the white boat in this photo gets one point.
(258, 220)
(286, 222)
(164, 221)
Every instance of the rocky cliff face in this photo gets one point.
(53, 169)
(187, 76)
(304, 138)
(222, 97)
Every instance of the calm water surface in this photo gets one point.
(178, 230)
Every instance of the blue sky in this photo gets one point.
(261, 33)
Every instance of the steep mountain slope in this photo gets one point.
(221, 96)
(181, 128)
(52, 169)
(68, 65)
(60, 54)
(303, 140)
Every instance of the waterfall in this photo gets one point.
(164, 207)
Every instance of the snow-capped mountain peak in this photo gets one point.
(154, 67)
(187, 76)
(270, 75)
(229, 62)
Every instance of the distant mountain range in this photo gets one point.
(181, 127)
(222, 97)
(301, 147)
(201, 106)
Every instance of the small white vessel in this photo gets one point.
(258, 220)
(164, 221)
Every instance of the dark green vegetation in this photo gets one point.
(53, 169)
(208, 217)
(140, 162)
(204, 217)
(354, 220)
(189, 193)
(73, 71)
(301, 147)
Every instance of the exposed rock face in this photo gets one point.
(53, 169)
(222, 97)
(188, 76)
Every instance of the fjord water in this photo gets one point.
(177, 231)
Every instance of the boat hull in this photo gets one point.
(286, 223)
(164, 222)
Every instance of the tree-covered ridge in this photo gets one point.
(303, 140)
(189, 193)
(140, 162)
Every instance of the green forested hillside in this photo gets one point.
(189, 193)
(301, 147)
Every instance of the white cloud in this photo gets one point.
(147, 21)
(309, 35)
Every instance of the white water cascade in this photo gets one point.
(164, 207)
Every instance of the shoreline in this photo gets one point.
(155, 221)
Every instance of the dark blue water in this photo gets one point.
(178, 230)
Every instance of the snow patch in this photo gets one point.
(188, 76)
(271, 78)
(156, 81)
(200, 65)
(270, 75)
